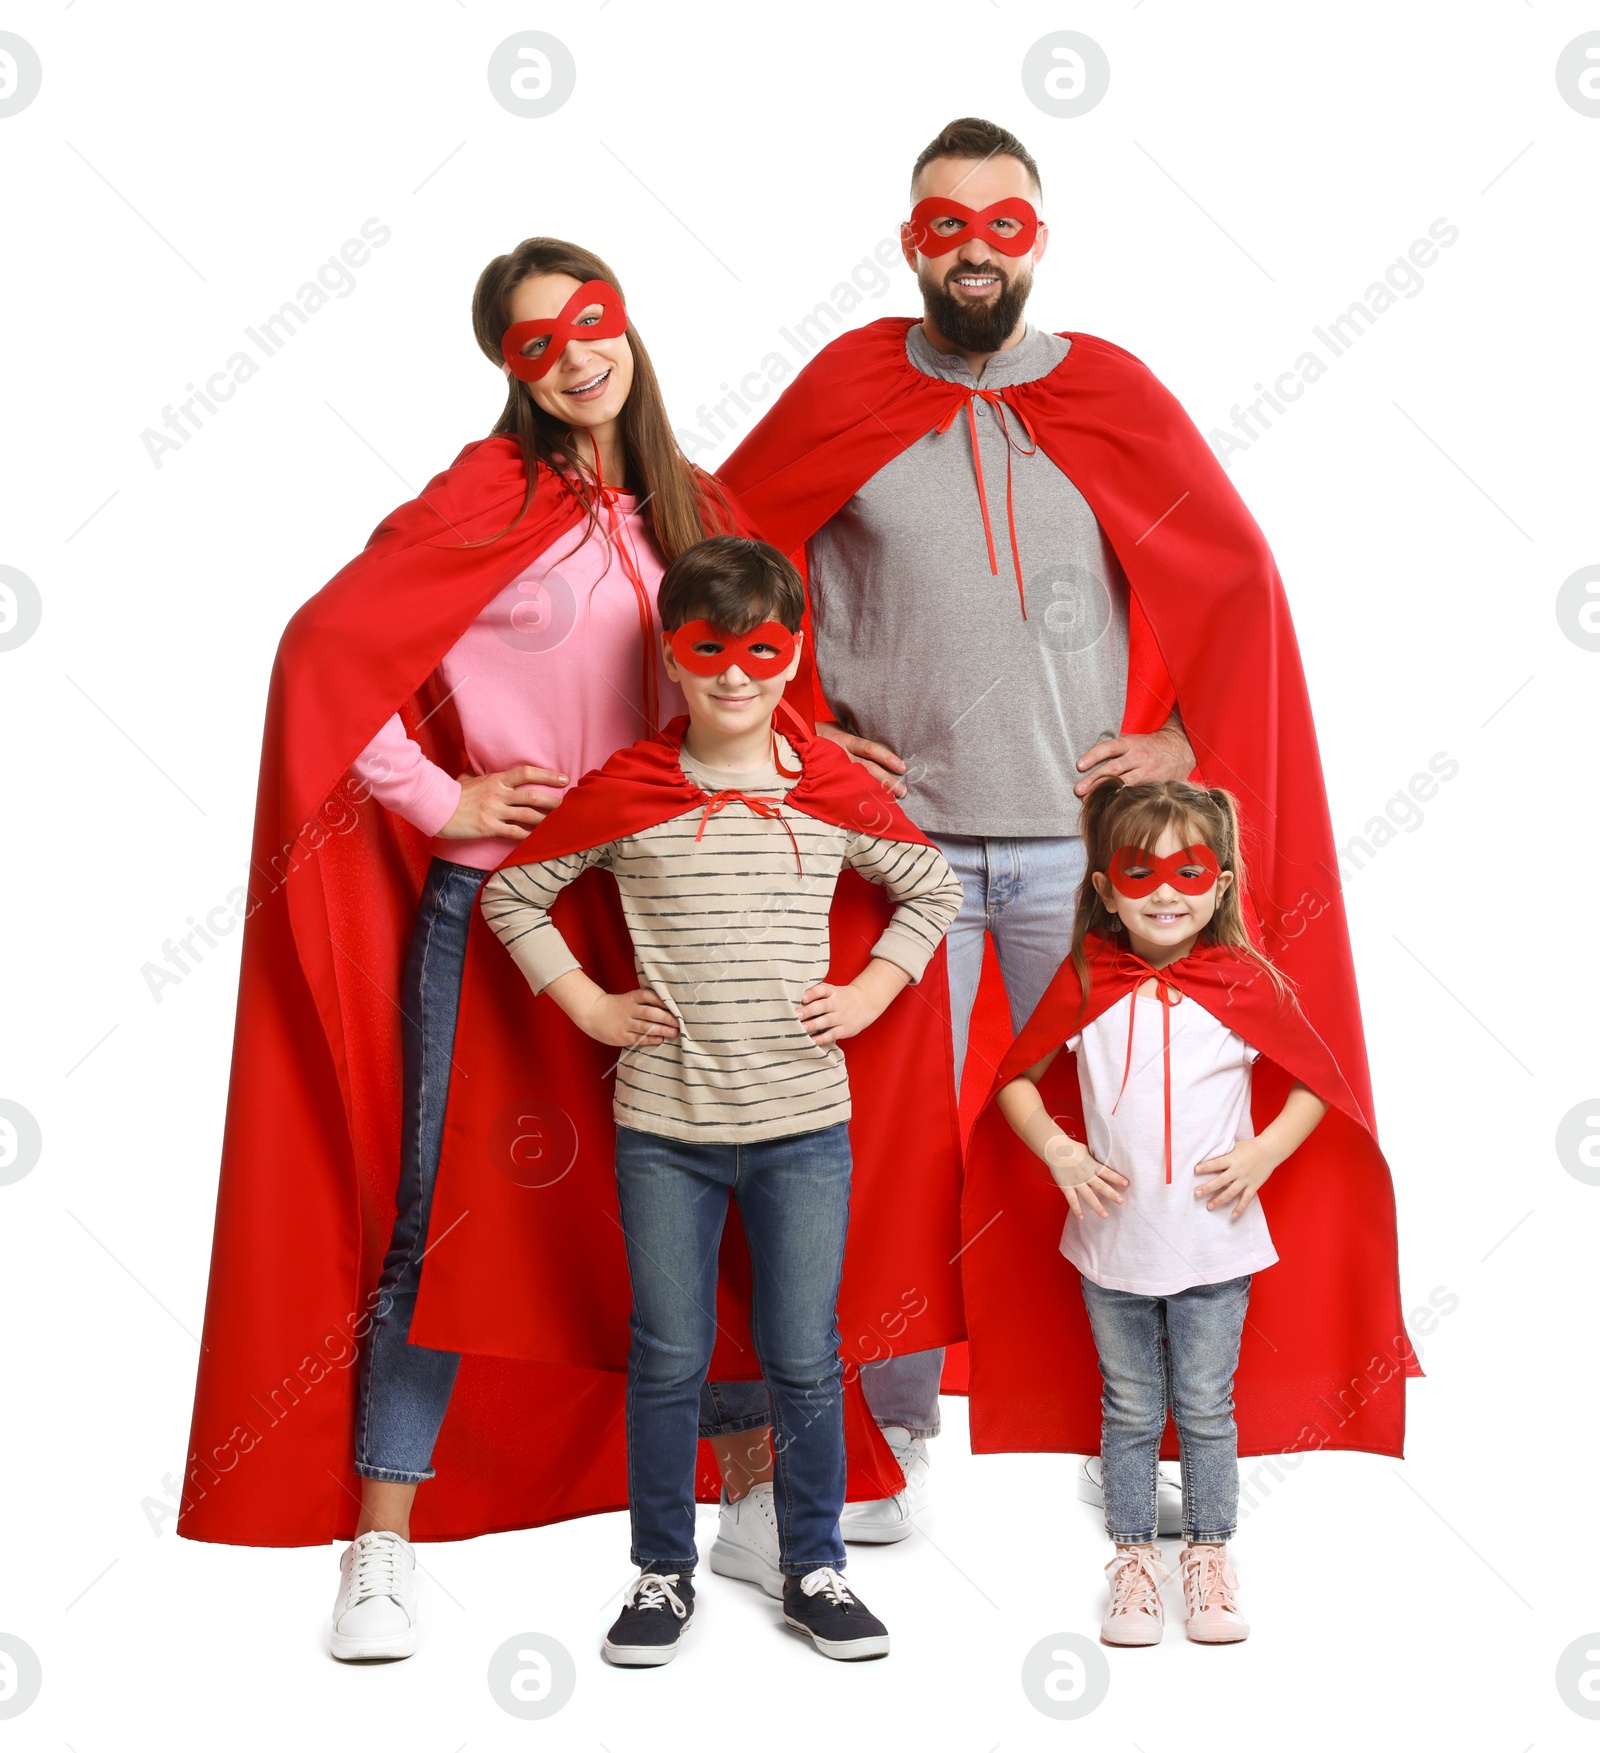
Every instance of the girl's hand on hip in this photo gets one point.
(507, 805)
(1083, 1179)
(1236, 1174)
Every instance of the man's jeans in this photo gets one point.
(794, 1199)
(405, 1389)
(1157, 1352)
(1024, 892)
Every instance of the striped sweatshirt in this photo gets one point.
(729, 935)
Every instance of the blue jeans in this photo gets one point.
(1024, 893)
(1158, 1352)
(405, 1389)
(794, 1198)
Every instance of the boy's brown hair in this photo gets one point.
(735, 582)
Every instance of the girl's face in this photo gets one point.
(588, 384)
(1166, 921)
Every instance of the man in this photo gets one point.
(980, 662)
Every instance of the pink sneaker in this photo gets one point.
(1133, 1614)
(1208, 1585)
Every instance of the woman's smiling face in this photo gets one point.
(590, 381)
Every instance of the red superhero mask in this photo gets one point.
(732, 648)
(976, 222)
(557, 332)
(1156, 871)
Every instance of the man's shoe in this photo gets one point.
(820, 1605)
(375, 1616)
(1134, 1618)
(1169, 1494)
(1209, 1583)
(656, 1612)
(746, 1546)
(880, 1521)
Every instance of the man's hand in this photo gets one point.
(619, 1019)
(1236, 1174)
(1137, 760)
(880, 760)
(503, 806)
(1080, 1177)
(830, 1013)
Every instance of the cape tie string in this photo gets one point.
(758, 806)
(1170, 996)
(997, 400)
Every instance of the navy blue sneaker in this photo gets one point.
(656, 1612)
(820, 1605)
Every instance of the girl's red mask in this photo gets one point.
(1191, 871)
(613, 321)
(732, 648)
(977, 222)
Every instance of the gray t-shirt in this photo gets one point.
(920, 646)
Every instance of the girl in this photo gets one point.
(1165, 1226)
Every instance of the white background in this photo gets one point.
(1252, 170)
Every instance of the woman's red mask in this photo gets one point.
(1136, 873)
(705, 649)
(557, 332)
(977, 222)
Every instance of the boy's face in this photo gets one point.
(1166, 918)
(732, 702)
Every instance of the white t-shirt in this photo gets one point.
(1162, 1239)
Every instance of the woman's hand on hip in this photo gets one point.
(503, 806)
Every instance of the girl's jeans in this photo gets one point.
(794, 1199)
(1160, 1352)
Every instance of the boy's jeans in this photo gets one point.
(1181, 1352)
(794, 1198)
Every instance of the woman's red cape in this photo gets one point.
(1209, 623)
(1325, 1352)
(527, 1259)
(311, 1144)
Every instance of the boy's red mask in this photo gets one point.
(732, 648)
(613, 321)
(1157, 871)
(976, 222)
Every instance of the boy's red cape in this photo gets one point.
(311, 1145)
(1209, 624)
(1325, 1352)
(527, 1259)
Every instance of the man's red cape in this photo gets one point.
(1325, 1352)
(1209, 624)
(311, 1146)
(527, 1257)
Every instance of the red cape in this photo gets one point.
(1209, 623)
(1325, 1352)
(312, 1141)
(528, 1259)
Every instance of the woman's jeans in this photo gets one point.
(794, 1199)
(405, 1388)
(1157, 1352)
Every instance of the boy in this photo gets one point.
(726, 840)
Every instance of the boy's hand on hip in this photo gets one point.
(830, 1013)
(628, 1019)
(1236, 1174)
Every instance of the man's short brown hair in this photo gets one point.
(734, 582)
(972, 137)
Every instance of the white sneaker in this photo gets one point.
(1169, 1494)
(882, 1520)
(746, 1546)
(375, 1616)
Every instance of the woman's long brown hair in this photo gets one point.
(683, 503)
(1137, 815)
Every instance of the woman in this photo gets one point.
(501, 626)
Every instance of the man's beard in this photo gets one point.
(973, 327)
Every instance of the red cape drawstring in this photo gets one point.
(759, 806)
(998, 401)
(1163, 987)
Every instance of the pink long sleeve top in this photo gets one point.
(550, 674)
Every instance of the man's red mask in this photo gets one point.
(705, 649)
(558, 331)
(1190, 871)
(977, 222)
